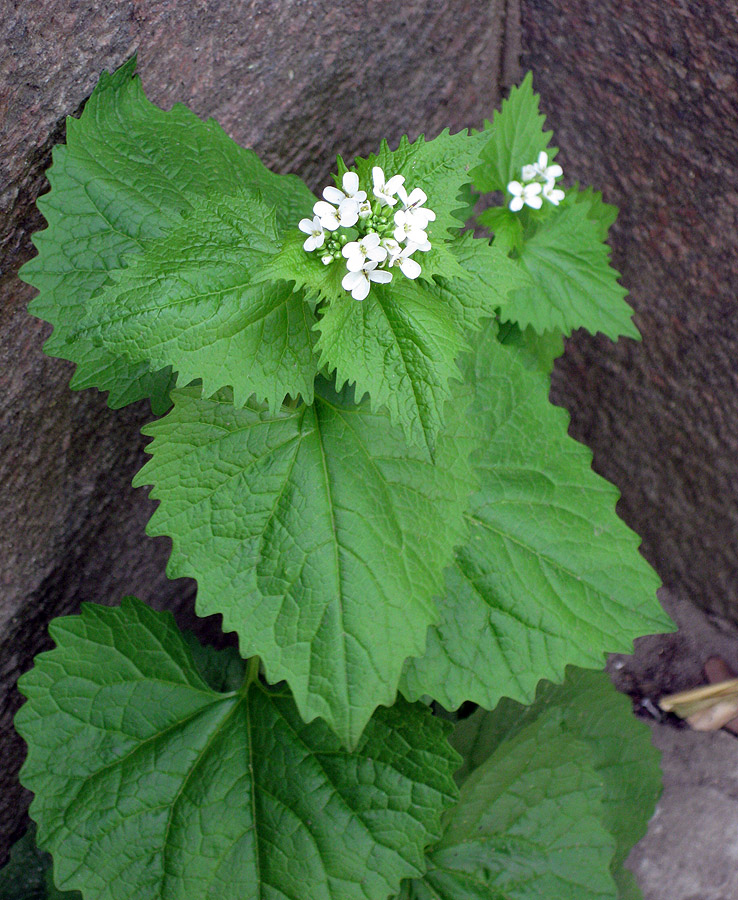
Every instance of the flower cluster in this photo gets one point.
(538, 183)
(374, 236)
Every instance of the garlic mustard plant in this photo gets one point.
(376, 497)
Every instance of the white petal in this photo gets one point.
(529, 173)
(351, 280)
(378, 178)
(402, 194)
(535, 202)
(516, 204)
(418, 219)
(516, 189)
(378, 254)
(399, 233)
(350, 183)
(323, 209)
(401, 218)
(530, 190)
(417, 197)
(306, 225)
(410, 268)
(542, 159)
(356, 263)
(362, 289)
(382, 276)
(554, 171)
(370, 240)
(394, 184)
(554, 196)
(353, 248)
(417, 236)
(314, 241)
(333, 195)
(348, 213)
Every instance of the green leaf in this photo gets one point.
(527, 826)
(191, 301)
(126, 174)
(488, 276)
(317, 533)
(150, 785)
(574, 285)
(550, 575)
(588, 707)
(515, 137)
(28, 874)
(399, 346)
(604, 214)
(533, 350)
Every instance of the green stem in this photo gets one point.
(252, 674)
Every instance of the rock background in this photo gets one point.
(297, 80)
(644, 100)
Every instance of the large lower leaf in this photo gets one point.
(316, 532)
(589, 708)
(549, 575)
(150, 785)
(527, 826)
(190, 301)
(127, 172)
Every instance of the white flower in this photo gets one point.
(331, 218)
(413, 218)
(385, 191)
(392, 247)
(365, 209)
(529, 172)
(350, 184)
(409, 267)
(408, 229)
(552, 193)
(542, 170)
(412, 207)
(366, 248)
(529, 194)
(360, 282)
(314, 229)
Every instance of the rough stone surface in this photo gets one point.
(690, 851)
(298, 80)
(643, 97)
